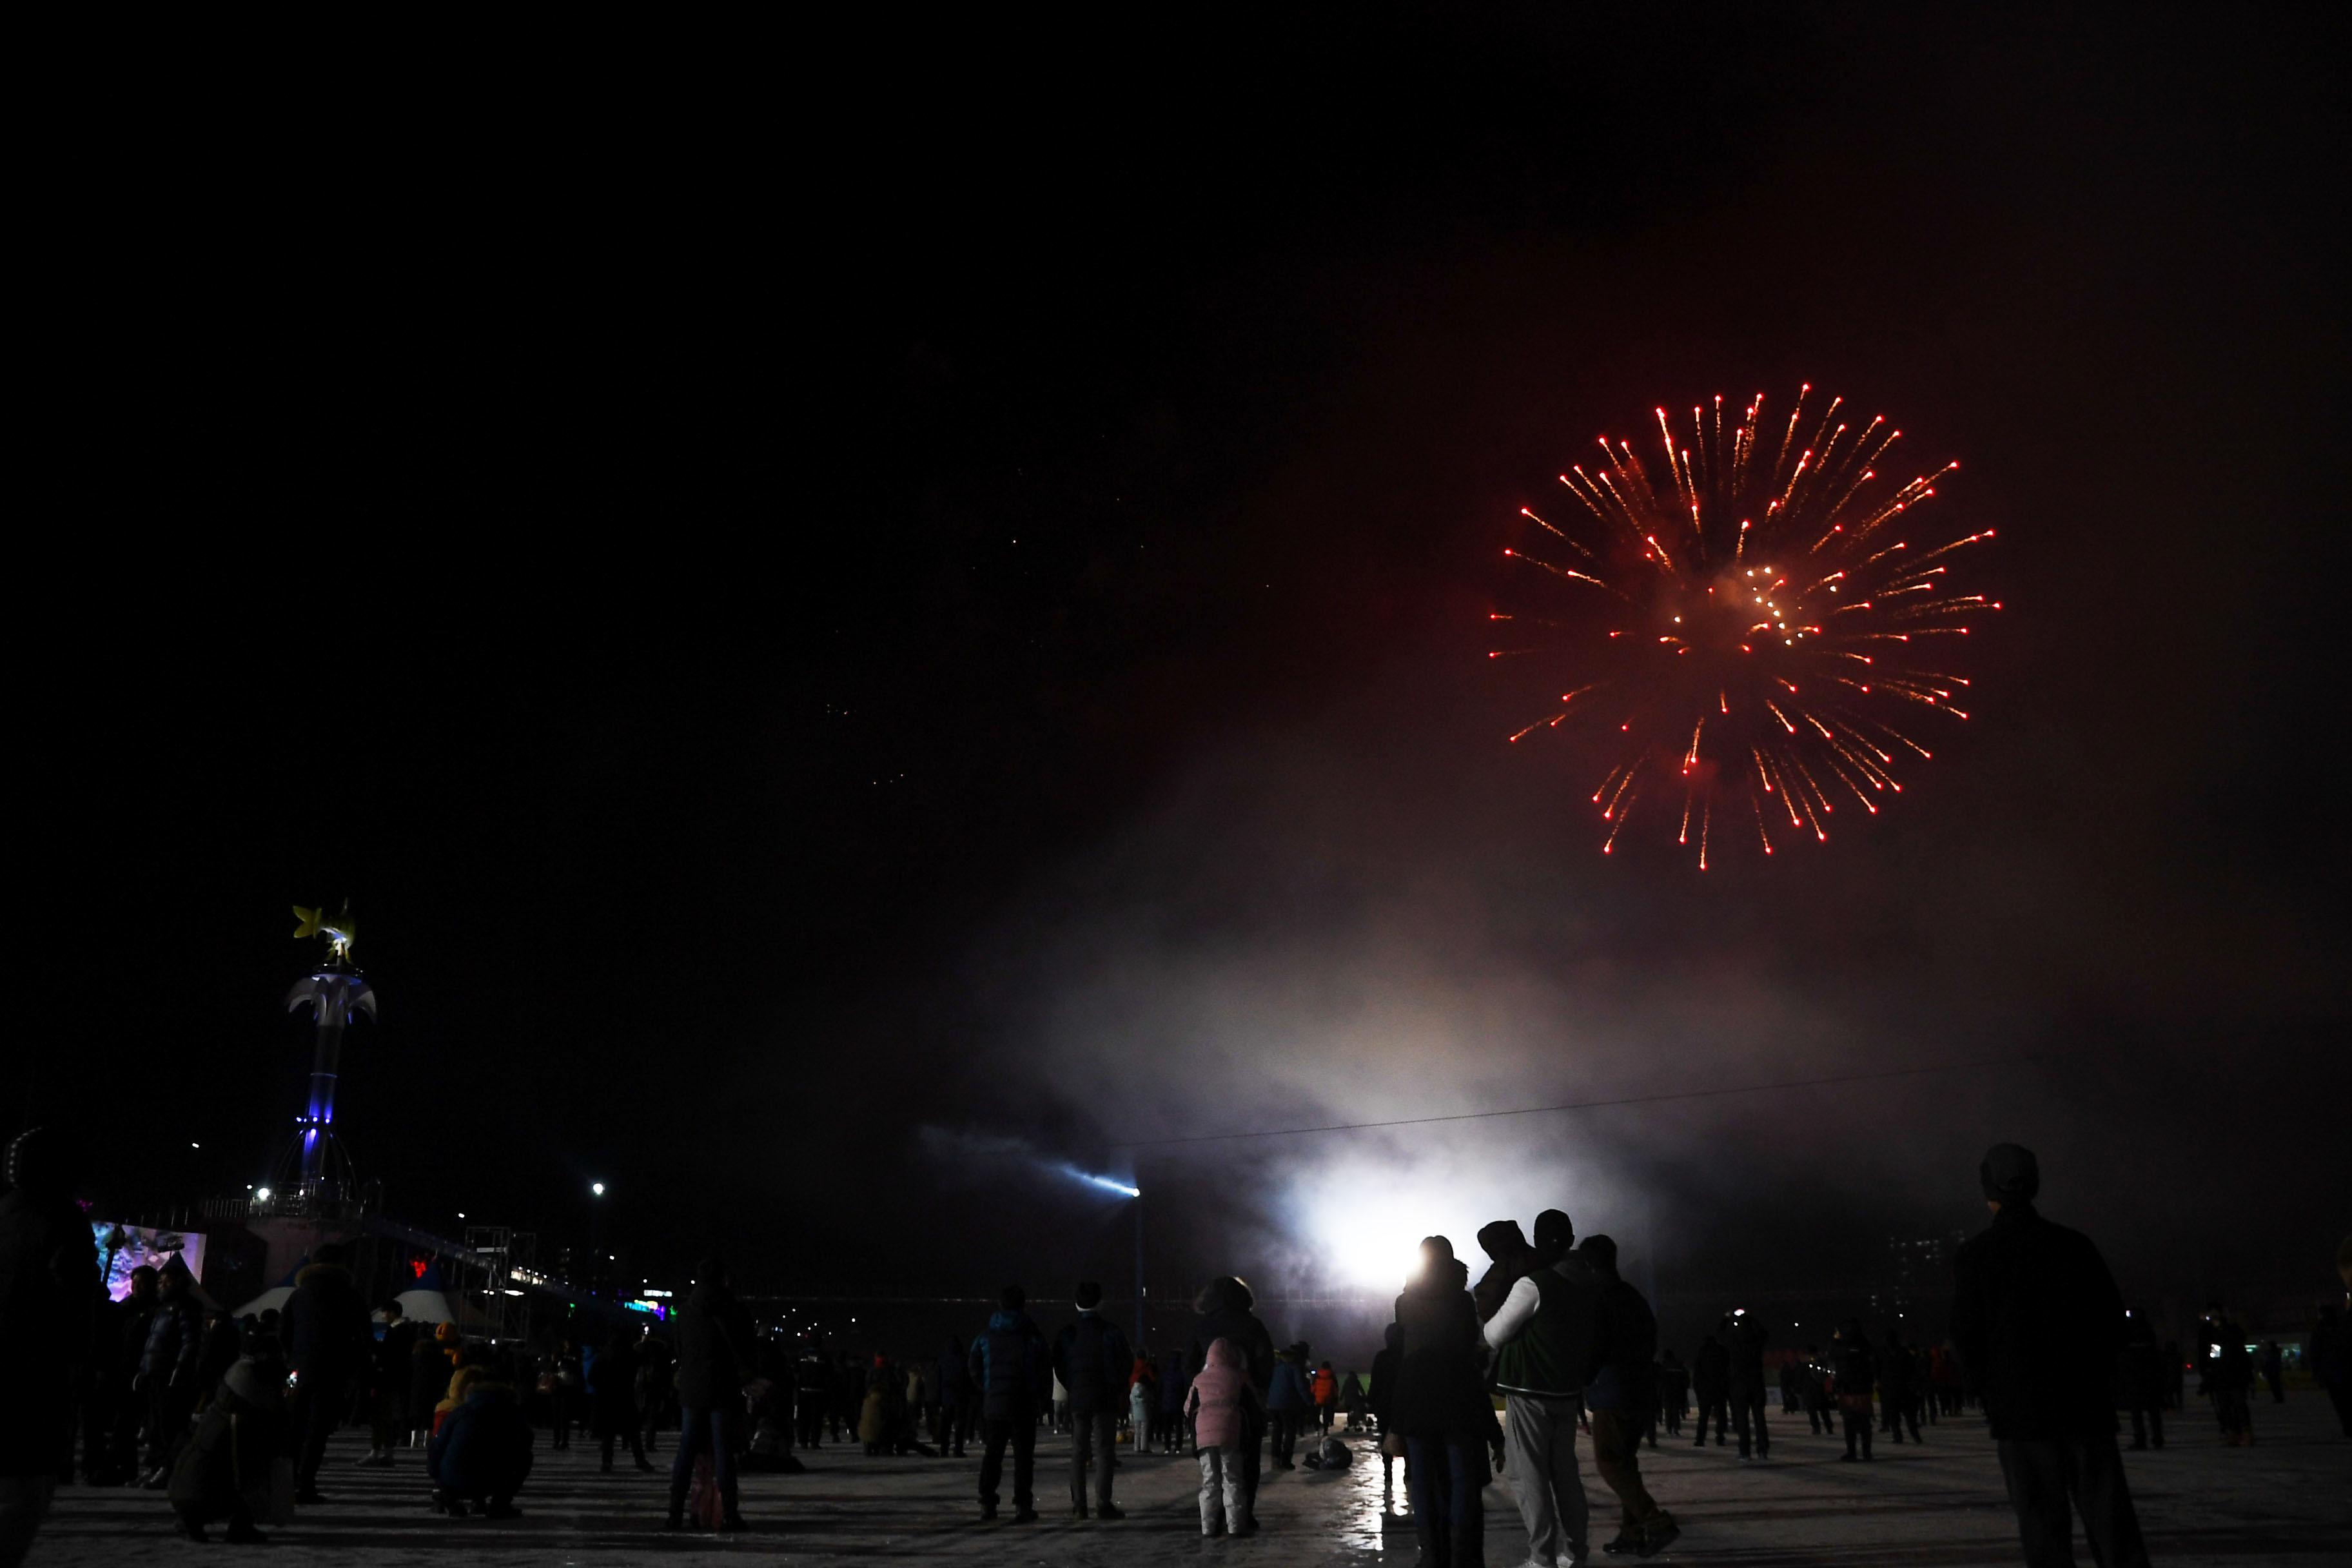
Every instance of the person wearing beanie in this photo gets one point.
(49, 1293)
(1544, 1336)
(1092, 1359)
(2039, 1324)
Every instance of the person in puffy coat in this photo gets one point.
(482, 1452)
(1008, 1366)
(223, 1471)
(1287, 1403)
(1224, 1313)
(1225, 1411)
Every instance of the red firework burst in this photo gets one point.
(1757, 631)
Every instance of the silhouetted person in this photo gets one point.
(1710, 1386)
(1545, 1335)
(2274, 1371)
(2039, 1324)
(328, 1341)
(716, 1354)
(1820, 1411)
(2140, 1380)
(1620, 1397)
(1898, 1388)
(1443, 1410)
(612, 1380)
(2229, 1376)
(242, 1432)
(959, 1399)
(167, 1369)
(2331, 1344)
(1744, 1387)
(48, 1290)
(1674, 1393)
(1091, 1357)
(1009, 1368)
(1854, 1367)
(1382, 1397)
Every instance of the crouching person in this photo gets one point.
(225, 1470)
(1224, 1407)
(480, 1453)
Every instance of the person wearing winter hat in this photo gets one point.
(49, 1294)
(2039, 1324)
(1545, 1335)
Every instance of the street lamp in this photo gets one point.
(595, 1231)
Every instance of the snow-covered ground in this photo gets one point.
(2288, 1500)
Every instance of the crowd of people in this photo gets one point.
(230, 1418)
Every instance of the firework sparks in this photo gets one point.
(1792, 627)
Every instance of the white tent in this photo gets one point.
(423, 1306)
(271, 1301)
(426, 1302)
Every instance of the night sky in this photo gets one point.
(861, 622)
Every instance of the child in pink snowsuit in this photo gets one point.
(1220, 1397)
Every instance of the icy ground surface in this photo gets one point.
(2287, 1501)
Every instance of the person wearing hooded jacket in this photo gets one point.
(716, 1354)
(1008, 1366)
(326, 1338)
(1218, 1403)
(1711, 1388)
(2039, 1324)
(49, 1292)
(1442, 1408)
(1091, 1357)
(1224, 1312)
(1545, 1335)
(224, 1467)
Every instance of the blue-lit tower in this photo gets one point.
(320, 1174)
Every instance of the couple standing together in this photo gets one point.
(1560, 1335)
